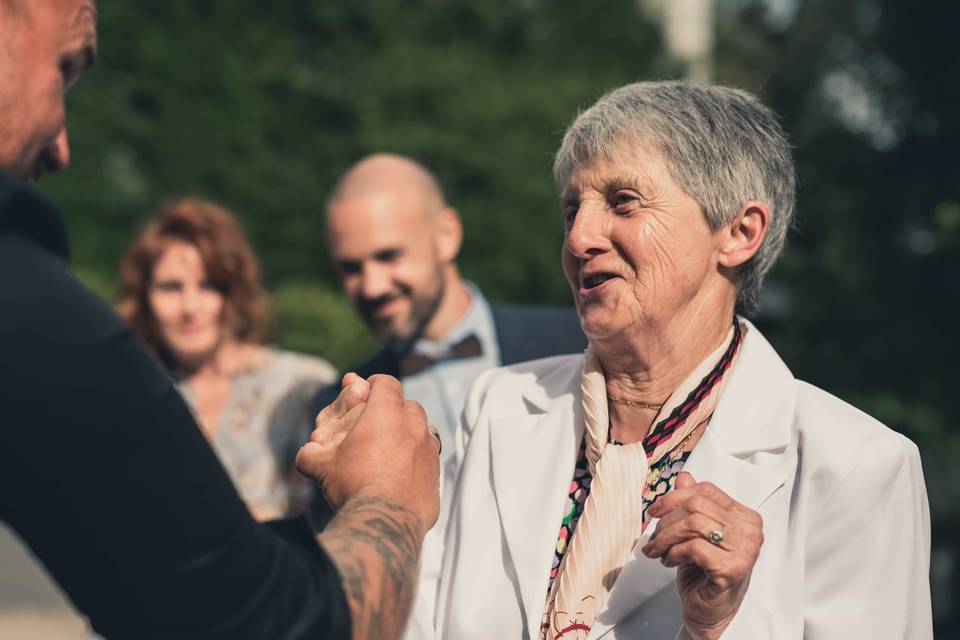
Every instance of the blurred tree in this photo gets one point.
(261, 106)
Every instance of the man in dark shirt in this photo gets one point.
(103, 472)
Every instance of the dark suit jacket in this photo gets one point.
(523, 333)
(106, 477)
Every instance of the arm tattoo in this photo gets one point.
(375, 544)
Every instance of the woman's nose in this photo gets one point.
(190, 300)
(587, 235)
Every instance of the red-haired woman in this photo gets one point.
(191, 287)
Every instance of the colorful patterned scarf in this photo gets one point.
(610, 492)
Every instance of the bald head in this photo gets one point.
(394, 242)
(392, 176)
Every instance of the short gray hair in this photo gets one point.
(723, 147)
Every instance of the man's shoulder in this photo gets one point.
(37, 289)
(534, 332)
(24, 212)
(36, 285)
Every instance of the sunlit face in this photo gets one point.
(385, 249)
(42, 54)
(637, 248)
(188, 310)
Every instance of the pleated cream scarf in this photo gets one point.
(612, 518)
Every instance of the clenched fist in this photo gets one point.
(372, 443)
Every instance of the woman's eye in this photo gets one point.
(569, 214)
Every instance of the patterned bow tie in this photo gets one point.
(412, 363)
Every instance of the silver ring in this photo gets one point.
(716, 536)
(436, 434)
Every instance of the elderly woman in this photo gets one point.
(191, 288)
(676, 478)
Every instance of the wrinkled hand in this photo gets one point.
(372, 443)
(712, 578)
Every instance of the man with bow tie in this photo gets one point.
(394, 242)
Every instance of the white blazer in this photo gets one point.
(846, 522)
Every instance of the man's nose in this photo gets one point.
(587, 235)
(56, 157)
(375, 281)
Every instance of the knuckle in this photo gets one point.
(664, 502)
(699, 522)
(323, 415)
(298, 461)
(383, 379)
(415, 408)
(740, 572)
(697, 504)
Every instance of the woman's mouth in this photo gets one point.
(595, 280)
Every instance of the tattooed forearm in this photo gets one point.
(375, 544)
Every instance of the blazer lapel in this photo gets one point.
(754, 414)
(532, 468)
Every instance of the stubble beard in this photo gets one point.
(422, 311)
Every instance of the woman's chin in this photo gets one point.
(193, 356)
(599, 328)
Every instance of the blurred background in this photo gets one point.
(262, 105)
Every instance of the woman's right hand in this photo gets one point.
(714, 541)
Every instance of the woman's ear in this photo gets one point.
(449, 234)
(744, 235)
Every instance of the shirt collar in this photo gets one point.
(477, 320)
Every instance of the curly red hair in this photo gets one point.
(228, 258)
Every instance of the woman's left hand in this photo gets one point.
(713, 540)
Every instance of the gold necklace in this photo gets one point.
(677, 451)
(635, 403)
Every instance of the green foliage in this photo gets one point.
(262, 106)
(310, 317)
